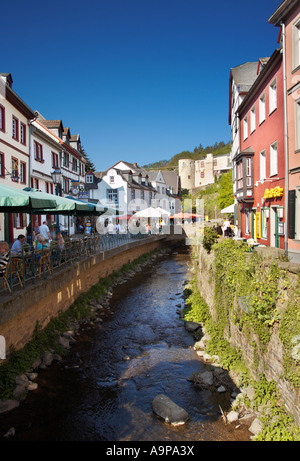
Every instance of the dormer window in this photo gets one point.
(140, 178)
(146, 180)
(89, 179)
(130, 176)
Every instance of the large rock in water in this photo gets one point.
(169, 411)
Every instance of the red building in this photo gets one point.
(260, 165)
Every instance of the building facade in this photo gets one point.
(15, 118)
(260, 165)
(199, 173)
(287, 18)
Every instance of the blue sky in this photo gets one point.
(139, 80)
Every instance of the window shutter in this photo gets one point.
(292, 213)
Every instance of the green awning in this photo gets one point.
(64, 206)
(13, 200)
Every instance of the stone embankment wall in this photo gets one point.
(42, 301)
(269, 361)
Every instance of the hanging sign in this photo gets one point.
(273, 193)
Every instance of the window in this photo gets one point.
(54, 160)
(297, 125)
(132, 194)
(2, 118)
(74, 164)
(112, 196)
(14, 169)
(239, 175)
(38, 151)
(66, 159)
(22, 172)
(296, 45)
(66, 186)
(248, 171)
(245, 124)
(23, 133)
(89, 179)
(262, 166)
(262, 108)
(273, 159)
(15, 128)
(2, 165)
(252, 120)
(111, 180)
(273, 96)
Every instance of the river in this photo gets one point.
(103, 390)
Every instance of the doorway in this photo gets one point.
(274, 236)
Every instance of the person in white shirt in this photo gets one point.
(44, 231)
(17, 247)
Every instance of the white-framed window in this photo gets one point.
(273, 159)
(248, 171)
(245, 125)
(111, 179)
(89, 179)
(112, 196)
(262, 108)
(273, 96)
(296, 44)
(23, 172)
(252, 119)
(262, 165)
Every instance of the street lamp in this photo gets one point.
(56, 178)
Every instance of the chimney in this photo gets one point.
(135, 164)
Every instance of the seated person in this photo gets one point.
(4, 256)
(17, 247)
(41, 242)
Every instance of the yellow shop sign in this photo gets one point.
(273, 193)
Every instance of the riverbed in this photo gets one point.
(103, 390)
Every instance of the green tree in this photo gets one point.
(89, 165)
(225, 197)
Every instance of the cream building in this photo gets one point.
(198, 173)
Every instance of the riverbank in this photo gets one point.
(124, 353)
(250, 315)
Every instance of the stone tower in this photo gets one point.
(187, 173)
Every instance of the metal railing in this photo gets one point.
(36, 264)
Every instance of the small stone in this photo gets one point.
(126, 358)
(8, 405)
(232, 416)
(21, 380)
(64, 342)
(47, 358)
(207, 378)
(192, 326)
(31, 376)
(221, 389)
(32, 386)
(10, 433)
(256, 426)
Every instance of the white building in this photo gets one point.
(130, 188)
(15, 117)
(53, 146)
